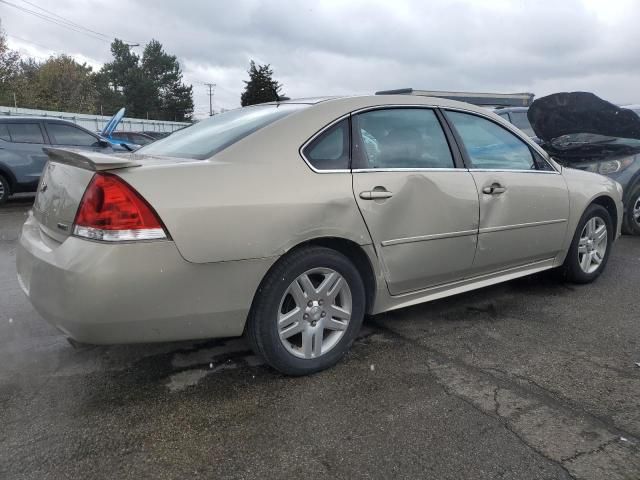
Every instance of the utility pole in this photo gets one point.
(211, 87)
(15, 102)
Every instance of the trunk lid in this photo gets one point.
(62, 185)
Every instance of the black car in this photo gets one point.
(582, 131)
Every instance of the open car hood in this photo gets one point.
(112, 123)
(569, 113)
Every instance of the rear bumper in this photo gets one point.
(136, 292)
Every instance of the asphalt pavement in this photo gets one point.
(532, 379)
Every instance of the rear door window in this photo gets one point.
(25, 133)
(407, 138)
(61, 134)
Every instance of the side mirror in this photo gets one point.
(103, 143)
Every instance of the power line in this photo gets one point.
(211, 87)
(60, 21)
(63, 19)
(53, 20)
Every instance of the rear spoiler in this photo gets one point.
(89, 160)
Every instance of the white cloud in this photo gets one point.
(336, 47)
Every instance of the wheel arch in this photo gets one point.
(8, 175)
(610, 205)
(349, 249)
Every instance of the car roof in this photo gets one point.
(303, 100)
(511, 109)
(363, 101)
(27, 119)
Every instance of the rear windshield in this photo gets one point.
(208, 137)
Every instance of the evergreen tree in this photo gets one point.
(261, 87)
(150, 85)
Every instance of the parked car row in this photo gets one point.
(22, 140)
(290, 221)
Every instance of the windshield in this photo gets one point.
(210, 136)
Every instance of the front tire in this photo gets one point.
(631, 221)
(307, 312)
(591, 246)
(5, 190)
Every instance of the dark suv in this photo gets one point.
(21, 156)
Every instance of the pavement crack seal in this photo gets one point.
(581, 444)
(551, 397)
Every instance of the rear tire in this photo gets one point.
(307, 312)
(631, 220)
(591, 246)
(5, 190)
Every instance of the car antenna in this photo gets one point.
(278, 97)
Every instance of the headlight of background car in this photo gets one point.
(612, 166)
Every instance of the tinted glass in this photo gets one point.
(520, 120)
(541, 163)
(401, 138)
(488, 145)
(61, 134)
(208, 137)
(4, 132)
(139, 139)
(330, 151)
(25, 133)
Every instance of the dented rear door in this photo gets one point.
(421, 211)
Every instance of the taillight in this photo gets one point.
(112, 211)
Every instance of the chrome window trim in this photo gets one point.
(433, 169)
(513, 170)
(367, 170)
(316, 135)
(513, 129)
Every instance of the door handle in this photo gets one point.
(495, 189)
(375, 194)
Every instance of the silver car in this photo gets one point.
(288, 222)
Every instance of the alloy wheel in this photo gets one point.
(636, 211)
(314, 313)
(592, 246)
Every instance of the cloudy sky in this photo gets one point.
(359, 46)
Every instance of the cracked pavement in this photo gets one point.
(532, 379)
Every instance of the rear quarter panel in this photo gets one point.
(255, 199)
